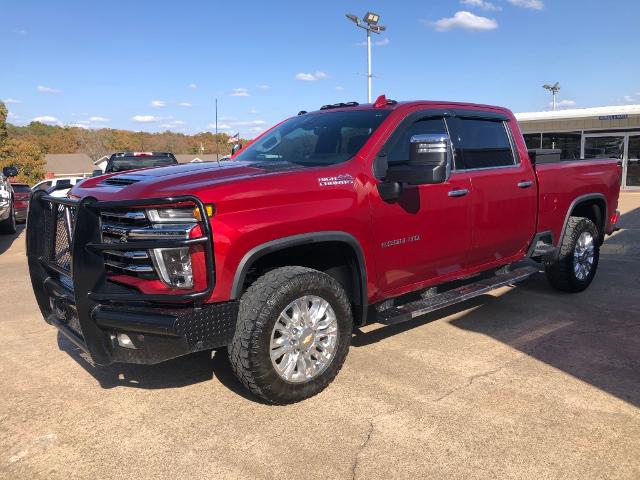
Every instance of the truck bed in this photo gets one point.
(560, 184)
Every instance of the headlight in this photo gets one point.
(171, 215)
(178, 215)
(174, 266)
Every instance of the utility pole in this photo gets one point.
(371, 20)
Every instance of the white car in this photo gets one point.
(65, 185)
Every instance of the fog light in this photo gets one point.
(124, 341)
(174, 266)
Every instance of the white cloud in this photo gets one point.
(247, 123)
(239, 92)
(145, 118)
(158, 103)
(185, 104)
(78, 125)
(264, 88)
(12, 115)
(532, 4)
(629, 98)
(339, 88)
(178, 122)
(482, 4)
(10, 101)
(564, 104)
(311, 77)
(253, 111)
(378, 43)
(47, 119)
(221, 126)
(98, 119)
(43, 89)
(192, 86)
(466, 21)
(20, 31)
(256, 129)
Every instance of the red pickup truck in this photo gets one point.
(330, 220)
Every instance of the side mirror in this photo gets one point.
(236, 147)
(10, 172)
(96, 173)
(429, 161)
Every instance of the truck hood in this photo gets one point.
(175, 180)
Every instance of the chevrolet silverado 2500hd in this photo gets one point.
(330, 220)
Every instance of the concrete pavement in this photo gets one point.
(524, 383)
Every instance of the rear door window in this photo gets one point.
(481, 143)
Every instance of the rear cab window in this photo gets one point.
(481, 143)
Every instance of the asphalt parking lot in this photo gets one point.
(524, 383)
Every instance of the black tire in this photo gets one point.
(561, 273)
(260, 307)
(9, 225)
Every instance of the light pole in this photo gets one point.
(371, 26)
(555, 88)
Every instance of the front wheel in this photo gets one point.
(293, 334)
(577, 262)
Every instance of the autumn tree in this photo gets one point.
(93, 142)
(27, 157)
(3, 123)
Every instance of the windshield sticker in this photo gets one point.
(342, 179)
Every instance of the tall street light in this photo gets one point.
(554, 89)
(371, 26)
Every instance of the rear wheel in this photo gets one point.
(9, 225)
(577, 262)
(293, 334)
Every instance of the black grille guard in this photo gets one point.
(91, 290)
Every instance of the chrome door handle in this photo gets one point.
(461, 192)
(525, 184)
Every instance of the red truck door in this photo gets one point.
(504, 200)
(427, 232)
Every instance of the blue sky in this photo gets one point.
(153, 65)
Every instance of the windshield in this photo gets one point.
(319, 139)
(120, 164)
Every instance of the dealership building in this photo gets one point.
(600, 132)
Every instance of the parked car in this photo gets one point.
(120, 162)
(21, 196)
(62, 185)
(328, 221)
(7, 207)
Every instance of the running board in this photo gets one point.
(411, 310)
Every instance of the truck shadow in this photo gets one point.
(179, 372)
(7, 240)
(593, 336)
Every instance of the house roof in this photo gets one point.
(579, 113)
(68, 163)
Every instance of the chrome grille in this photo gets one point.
(116, 227)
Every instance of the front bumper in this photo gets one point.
(75, 295)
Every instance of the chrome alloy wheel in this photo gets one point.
(583, 256)
(304, 339)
